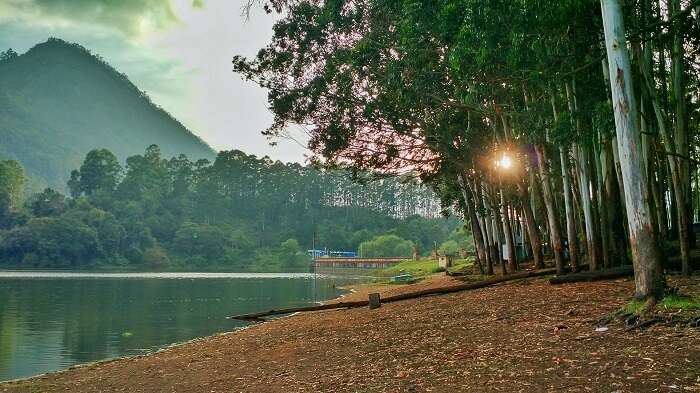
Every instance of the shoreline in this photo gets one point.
(348, 290)
(465, 341)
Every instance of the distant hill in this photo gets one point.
(58, 101)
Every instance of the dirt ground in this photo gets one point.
(526, 336)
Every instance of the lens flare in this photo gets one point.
(505, 162)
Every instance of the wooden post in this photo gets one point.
(374, 301)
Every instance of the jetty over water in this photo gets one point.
(355, 263)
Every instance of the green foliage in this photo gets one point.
(463, 238)
(11, 188)
(432, 85)
(51, 242)
(9, 54)
(202, 240)
(156, 258)
(47, 203)
(449, 247)
(238, 213)
(11, 184)
(387, 246)
(100, 172)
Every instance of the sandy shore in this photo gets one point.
(523, 336)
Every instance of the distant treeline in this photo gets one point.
(238, 213)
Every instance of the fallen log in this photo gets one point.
(469, 286)
(405, 296)
(258, 315)
(597, 275)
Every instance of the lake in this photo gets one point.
(50, 321)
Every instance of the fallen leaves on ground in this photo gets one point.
(507, 338)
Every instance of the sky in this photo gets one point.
(178, 51)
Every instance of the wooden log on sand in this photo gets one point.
(258, 315)
(404, 296)
(606, 274)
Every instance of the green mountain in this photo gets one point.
(58, 101)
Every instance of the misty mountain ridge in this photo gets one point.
(58, 101)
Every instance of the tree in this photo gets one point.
(47, 203)
(8, 54)
(450, 248)
(156, 258)
(49, 241)
(648, 274)
(204, 240)
(99, 172)
(290, 254)
(440, 90)
(387, 246)
(11, 185)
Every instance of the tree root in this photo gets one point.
(635, 322)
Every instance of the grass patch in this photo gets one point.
(633, 307)
(676, 302)
(420, 268)
(671, 302)
(416, 268)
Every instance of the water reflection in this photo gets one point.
(50, 321)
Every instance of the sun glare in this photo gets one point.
(505, 162)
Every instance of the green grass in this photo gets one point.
(671, 302)
(633, 307)
(675, 302)
(420, 268)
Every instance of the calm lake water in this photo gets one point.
(51, 321)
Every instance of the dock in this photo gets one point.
(356, 263)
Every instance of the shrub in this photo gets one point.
(387, 246)
(156, 258)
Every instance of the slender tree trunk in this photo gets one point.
(603, 224)
(524, 238)
(477, 235)
(585, 183)
(646, 258)
(497, 223)
(498, 243)
(508, 232)
(659, 200)
(488, 230)
(487, 249)
(674, 163)
(681, 124)
(615, 189)
(614, 209)
(588, 216)
(568, 203)
(531, 225)
(554, 232)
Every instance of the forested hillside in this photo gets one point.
(238, 213)
(58, 101)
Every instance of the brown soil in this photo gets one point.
(526, 336)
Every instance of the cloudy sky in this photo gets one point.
(179, 51)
